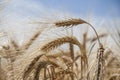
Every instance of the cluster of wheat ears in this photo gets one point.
(46, 64)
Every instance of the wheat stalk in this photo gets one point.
(95, 38)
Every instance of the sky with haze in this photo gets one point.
(17, 14)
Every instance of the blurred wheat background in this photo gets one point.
(59, 40)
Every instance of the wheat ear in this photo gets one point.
(69, 22)
(30, 67)
(59, 41)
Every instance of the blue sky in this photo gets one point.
(103, 8)
(100, 8)
(17, 12)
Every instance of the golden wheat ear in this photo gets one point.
(69, 22)
(59, 41)
(30, 67)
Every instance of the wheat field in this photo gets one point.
(58, 49)
(51, 62)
